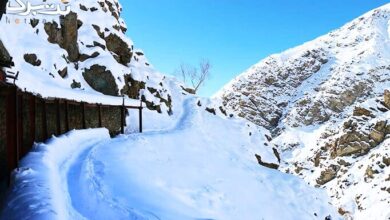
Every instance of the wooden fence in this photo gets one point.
(26, 118)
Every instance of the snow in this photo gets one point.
(309, 105)
(203, 167)
(45, 80)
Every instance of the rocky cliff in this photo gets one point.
(84, 53)
(326, 106)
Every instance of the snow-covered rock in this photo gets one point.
(81, 55)
(325, 104)
(195, 159)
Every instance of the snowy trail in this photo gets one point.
(166, 174)
(85, 165)
(201, 167)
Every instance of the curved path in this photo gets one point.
(90, 196)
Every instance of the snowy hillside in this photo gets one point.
(311, 97)
(81, 55)
(189, 171)
(194, 161)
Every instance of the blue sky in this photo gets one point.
(232, 34)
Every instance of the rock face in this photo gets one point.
(301, 87)
(32, 59)
(328, 174)
(101, 80)
(325, 105)
(116, 45)
(2, 7)
(132, 87)
(5, 58)
(69, 27)
(85, 50)
(66, 35)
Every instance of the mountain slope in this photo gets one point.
(193, 170)
(81, 55)
(325, 105)
(86, 56)
(314, 82)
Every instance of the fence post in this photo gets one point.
(140, 118)
(11, 127)
(58, 116)
(19, 124)
(66, 116)
(83, 115)
(100, 115)
(44, 120)
(32, 118)
(123, 116)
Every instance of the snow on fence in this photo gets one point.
(26, 118)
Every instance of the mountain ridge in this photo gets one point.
(323, 101)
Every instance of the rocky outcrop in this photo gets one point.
(101, 80)
(121, 49)
(32, 59)
(359, 111)
(84, 57)
(70, 25)
(328, 174)
(64, 72)
(5, 58)
(3, 7)
(265, 164)
(132, 87)
(75, 85)
(356, 140)
(66, 35)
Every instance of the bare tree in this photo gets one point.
(195, 76)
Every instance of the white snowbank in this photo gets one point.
(39, 188)
(201, 168)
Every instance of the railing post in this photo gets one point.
(67, 116)
(140, 118)
(100, 115)
(11, 127)
(123, 116)
(32, 118)
(58, 116)
(19, 124)
(44, 120)
(83, 115)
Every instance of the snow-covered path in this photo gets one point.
(201, 168)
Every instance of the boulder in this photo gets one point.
(84, 57)
(132, 87)
(328, 175)
(32, 59)
(358, 111)
(377, 136)
(64, 72)
(101, 80)
(211, 110)
(265, 164)
(118, 46)
(75, 85)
